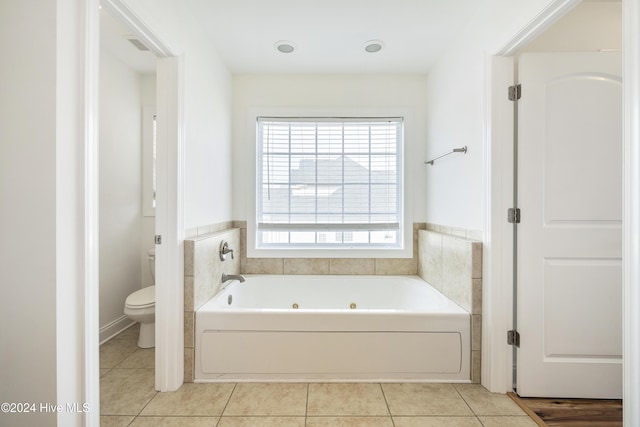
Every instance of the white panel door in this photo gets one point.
(570, 240)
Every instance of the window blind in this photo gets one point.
(329, 181)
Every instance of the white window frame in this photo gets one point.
(405, 248)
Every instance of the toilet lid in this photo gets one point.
(143, 298)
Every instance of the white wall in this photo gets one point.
(207, 111)
(28, 214)
(456, 110)
(120, 188)
(43, 221)
(357, 93)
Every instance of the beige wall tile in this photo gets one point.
(476, 307)
(352, 266)
(262, 266)
(476, 332)
(189, 331)
(306, 266)
(208, 267)
(239, 224)
(243, 245)
(430, 258)
(188, 293)
(476, 260)
(476, 367)
(191, 233)
(189, 360)
(396, 266)
(188, 258)
(456, 270)
(433, 227)
(474, 235)
(459, 232)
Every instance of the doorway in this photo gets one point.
(169, 223)
(127, 202)
(569, 187)
(569, 238)
(502, 155)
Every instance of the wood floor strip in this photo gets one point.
(551, 412)
(526, 409)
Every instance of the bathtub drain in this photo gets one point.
(229, 299)
(295, 305)
(352, 305)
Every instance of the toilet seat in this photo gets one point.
(143, 298)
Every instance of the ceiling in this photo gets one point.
(330, 34)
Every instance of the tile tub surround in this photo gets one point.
(324, 266)
(203, 270)
(452, 263)
(449, 259)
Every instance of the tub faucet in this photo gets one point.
(238, 277)
(225, 250)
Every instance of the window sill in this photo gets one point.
(330, 253)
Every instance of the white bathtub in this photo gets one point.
(331, 328)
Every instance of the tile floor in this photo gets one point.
(128, 398)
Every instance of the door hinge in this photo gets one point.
(513, 338)
(513, 215)
(515, 92)
(158, 239)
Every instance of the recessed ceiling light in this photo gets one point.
(284, 46)
(373, 46)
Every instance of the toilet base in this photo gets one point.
(147, 337)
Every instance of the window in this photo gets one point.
(329, 183)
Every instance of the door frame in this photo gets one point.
(169, 353)
(499, 74)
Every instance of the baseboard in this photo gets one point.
(114, 328)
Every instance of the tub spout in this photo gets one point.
(238, 277)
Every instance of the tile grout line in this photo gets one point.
(384, 396)
(233, 390)
(306, 406)
(467, 403)
(149, 401)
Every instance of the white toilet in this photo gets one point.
(140, 306)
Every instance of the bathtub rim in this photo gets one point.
(209, 306)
